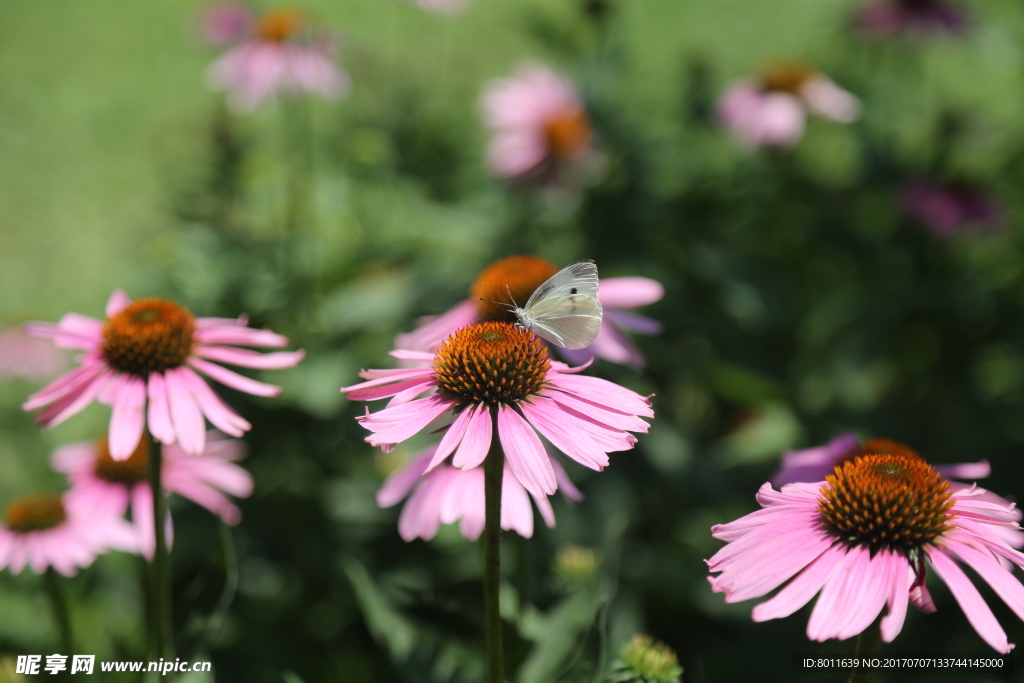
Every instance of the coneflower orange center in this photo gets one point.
(134, 470)
(35, 513)
(787, 78)
(894, 501)
(279, 25)
(514, 278)
(493, 363)
(568, 134)
(149, 335)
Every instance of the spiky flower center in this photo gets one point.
(148, 335)
(35, 513)
(650, 660)
(787, 78)
(891, 499)
(568, 134)
(277, 26)
(134, 470)
(508, 281)
(493, 363)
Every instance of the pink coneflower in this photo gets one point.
(516, 278)
(772, 112)
(864, 538)
(97, 480)
(447, 495)
(948, 208)
(142, 361)
(22, 355)
(497, 377)
(888, 17)
(45, 530)
(225, 23)
(539, 124)
(283, 54)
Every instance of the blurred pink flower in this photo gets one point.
(98, 481)
(948, 208)
(540, 125)
(829, 537)
(142, 361)
(498, 377)
(281, 55)
(772, 112)
(448, 494)
(888, 17)
(224, 23)
(45, 530)
(22, 355)
(519, 276)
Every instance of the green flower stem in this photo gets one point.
(160, 587)
(60, 609)
(869, 642)
(494, 466)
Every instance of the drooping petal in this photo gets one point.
(129, 417)
(476, 443)
(970, 600)
(160, 424)
(189, 426)
(247, 358)
(524, 453)
(233, 379)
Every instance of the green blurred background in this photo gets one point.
(800, 302)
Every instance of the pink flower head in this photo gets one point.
(948, 208)
(448, 494)
(97, 480)
(920, 17)
(496, 377)
(225, 23)
(539, 123)
(142, 361)
(772, 112)
(22, 355)
(864, 538)
(282, 55)
(515, 278)
(45, 530)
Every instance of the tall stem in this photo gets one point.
(494, 466)
(60, 609)
(869, 642)
(160, 587)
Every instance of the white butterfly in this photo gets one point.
(565, 310)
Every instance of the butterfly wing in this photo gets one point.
(565, 310)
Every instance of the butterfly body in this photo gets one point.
(565, 309)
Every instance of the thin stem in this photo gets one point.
(494, 466)
(60, 609)
(160, 587)
(869, 642)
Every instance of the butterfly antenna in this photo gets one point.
(509, 290)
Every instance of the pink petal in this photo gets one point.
(234, 333)
(396, 424)
(117, 302)
(434, 330)
(188, 420)
(452, 437)
(74, 402)
(603, 393)
(129, 417)
(800, 590)
(398, 485)
(233, 379)
(250, 359)
(70, 383)
(546, 416)
(524, 453)
(516, 513)
(476, 443)
(216, 411)
(160, 424)
(970, 600)
(899, 596)
(629, 292)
